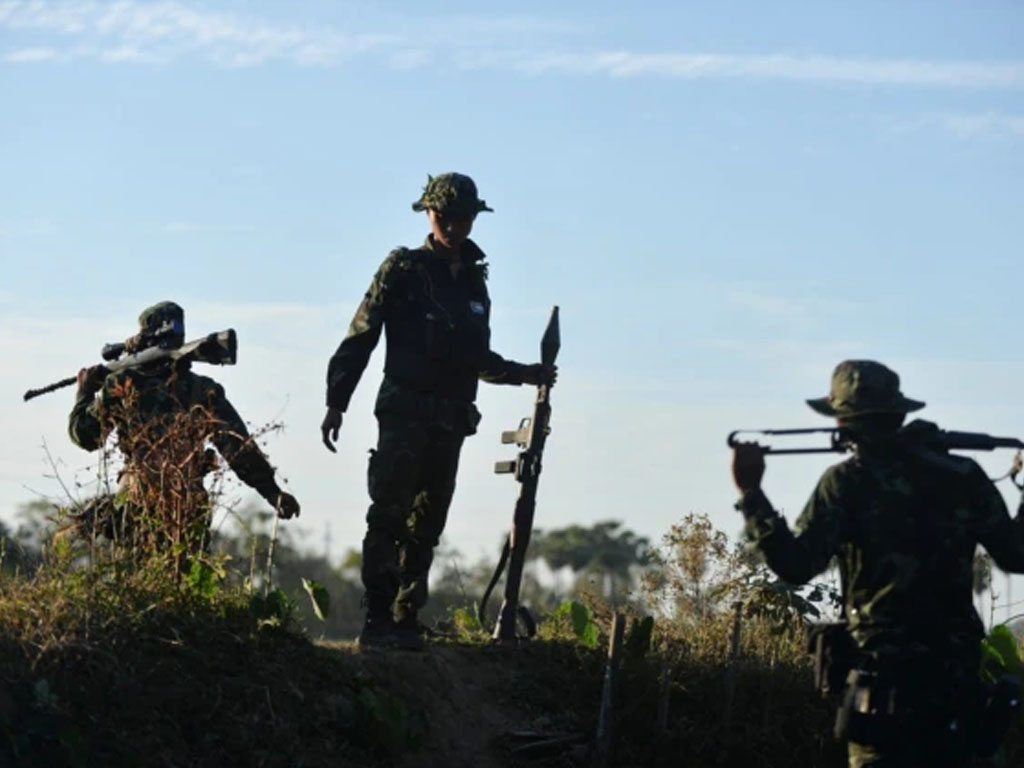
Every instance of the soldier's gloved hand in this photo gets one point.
(538, 374)
(329, 428)
(90, 380)
(747, 466)
(286, 506)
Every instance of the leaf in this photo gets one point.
(274, 610)
(589, 638)
(992, 665)
(583, 625)
(319, 596)
(202, 579)
(1001, 639)
(580, 616)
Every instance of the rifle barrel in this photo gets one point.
(50, 388)
(836, 439)
(215, 348)
(977, 441)
(840, 440)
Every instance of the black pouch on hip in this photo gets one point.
(867, 714)
(835, 654)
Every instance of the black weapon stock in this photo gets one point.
(530, 437)
(215, 348)
(841, 440)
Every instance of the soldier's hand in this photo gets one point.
(329, 428)
(287, 506)
(747, 466)
(538, 374)
(90, 380)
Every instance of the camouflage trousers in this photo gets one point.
(411, 480)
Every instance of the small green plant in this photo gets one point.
(319, 597)
(466, 624)
(1000, 654)
(203, 579)
(275, 609)
(581, 620)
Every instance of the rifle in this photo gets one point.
(924, 433)
(215, 348)
(530, 437)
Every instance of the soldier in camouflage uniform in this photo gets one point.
(903, 520)
(433, 303)
(163, 414)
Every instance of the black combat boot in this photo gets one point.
(379, 627)
(409, 633)
(378, 632)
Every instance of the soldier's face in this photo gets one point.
(451, 231)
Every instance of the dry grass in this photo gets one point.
(113, 667)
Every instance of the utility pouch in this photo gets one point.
(835, 654)
(469, 419)
(867, 714)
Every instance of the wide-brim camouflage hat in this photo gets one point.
(861, 387)
(451, 193)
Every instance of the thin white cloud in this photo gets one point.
(691, 66)
(126, 53)
(29, 55)
(130, 31)
(162, 31)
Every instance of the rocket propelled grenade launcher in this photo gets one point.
(924, 433)
(530, 437)
(216, 348)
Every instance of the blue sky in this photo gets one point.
(725, 199)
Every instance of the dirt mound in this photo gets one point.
(480, 706)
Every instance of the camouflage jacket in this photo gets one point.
(437, 328)
(156, 397)
(903, 525)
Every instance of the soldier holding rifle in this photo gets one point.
(432, 302)
(163, 415)
(903, 520)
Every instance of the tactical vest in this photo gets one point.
(438, 331)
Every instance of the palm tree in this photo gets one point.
(605, 548)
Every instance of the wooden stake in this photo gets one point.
(730, 675)
(603, 747)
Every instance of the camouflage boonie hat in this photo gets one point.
(862, 387)
(452, 193)
(163, 317)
